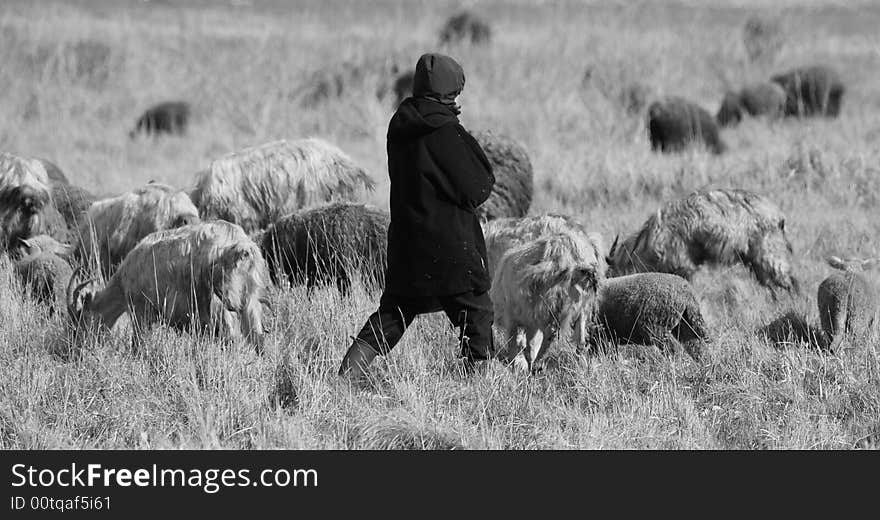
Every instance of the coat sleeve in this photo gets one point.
(465, 174)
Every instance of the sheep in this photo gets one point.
(649, 308)
(44, 270)
(111, 227)
(257, 186)
(514, 186)
(849, 305)
(465, 26)
(329, 243)
(24, 193)
(170, 117)
(543, 286)
(758, 99)
(675, 123)
(504, 233)
(811, 91)
(210, 275)
(720, 226)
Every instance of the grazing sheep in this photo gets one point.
(720, 227)
(209, 274)
(170, 117)
(402, 87)
(112, 227)
(465, 26)
(329, 244)
(505, 233)
(675, 123)
(24, 193)
(758, 99)
(257, 186)
(542, 286)
(44, 270)
(849, 304)
(514, 186)
(811, 91)
(650, 308)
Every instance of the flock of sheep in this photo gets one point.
(287, 212)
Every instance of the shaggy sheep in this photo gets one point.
(44, 270)
(512, 194)
(24, 193)
(170, 117)
(505, 233)
(542, 286)
(758, 99)
(811, 91)
(257, 186)
(675, 123)
(649, 308)
(329, 244)
(720, 227)
(210, 274)
(465, 26)
(112, 227)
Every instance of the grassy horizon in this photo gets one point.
(77, 74)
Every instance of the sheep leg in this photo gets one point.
(252, 324)
(546, 339)
(580, 331)
(535, 340)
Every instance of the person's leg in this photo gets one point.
(472, 315)
(379, 335)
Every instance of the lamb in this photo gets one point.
(758, 99)
(542, 286)
(649, 308)
(329, 243)
(112, 227)
(815, 90)
(44, 270)
(849, 305)
(210, 275)
(24, 193)
(675, 123)
(169, 117)
(514, 186)
(257, 186)
(465, 26)
(722, 227)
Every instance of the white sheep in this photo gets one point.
(208, 274)
(257, 186)
(542, 286)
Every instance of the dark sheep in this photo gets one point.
(68, 203)
(811, 91)
(650, 308)
(329, 243)
(848, 306)
(170, 117)
(465, 26)
(759, 99)
(514, 185)
(402, 87)
(675, 123)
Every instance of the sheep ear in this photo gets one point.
(65, 250)
(870, 263)
(25, 241)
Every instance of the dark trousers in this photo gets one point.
(470, 313)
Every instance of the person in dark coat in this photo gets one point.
(436, 253)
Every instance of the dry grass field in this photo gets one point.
(75, 75)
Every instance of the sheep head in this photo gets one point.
(80, 295)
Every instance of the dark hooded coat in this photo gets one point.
(439, 175)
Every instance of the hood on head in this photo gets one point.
(438, 76)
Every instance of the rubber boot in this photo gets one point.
(356, 360)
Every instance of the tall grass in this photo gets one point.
(76, 75)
